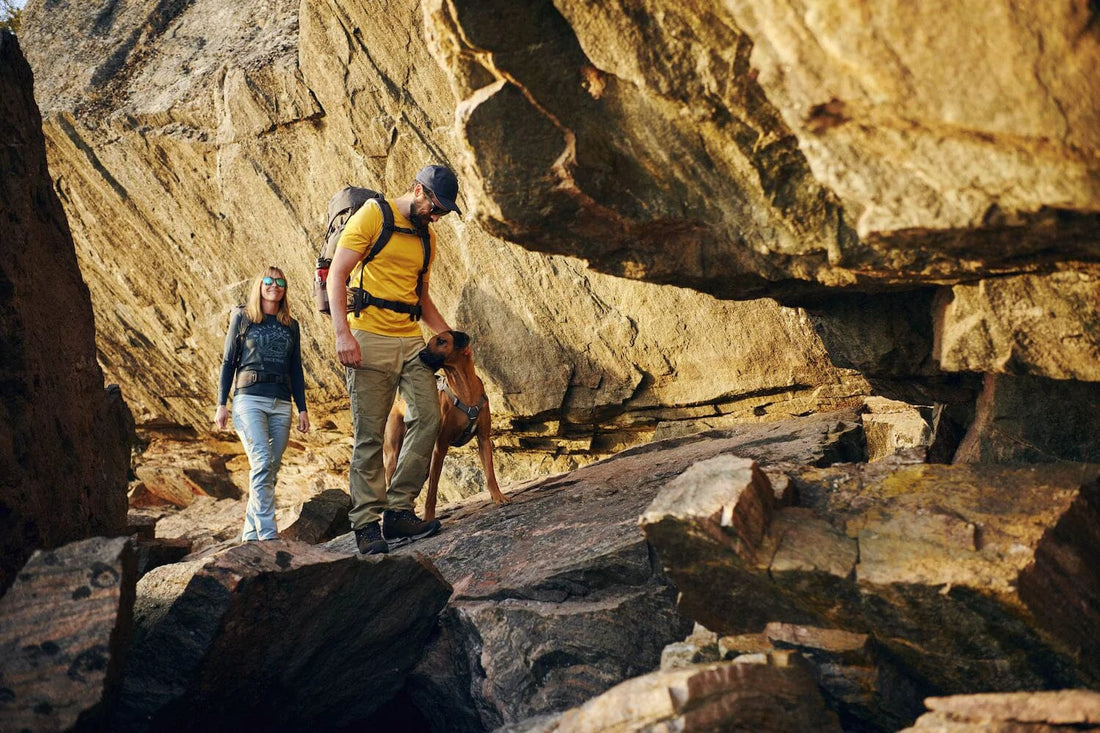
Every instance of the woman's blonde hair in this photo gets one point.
(253, 310)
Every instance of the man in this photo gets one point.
(380, 344)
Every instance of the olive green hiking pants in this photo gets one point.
(389, 365)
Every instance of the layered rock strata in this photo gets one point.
(950, 568)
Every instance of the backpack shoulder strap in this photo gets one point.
(383, 236)
(388, 228)
(242, 326)
(426, 243)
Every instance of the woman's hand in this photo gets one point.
(303, 422)
(221, 417)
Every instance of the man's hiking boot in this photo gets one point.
(369, 540)
(401, 526)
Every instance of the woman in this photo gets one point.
(263, 351)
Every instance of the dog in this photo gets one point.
(464, 414)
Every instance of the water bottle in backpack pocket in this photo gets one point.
(341, 206)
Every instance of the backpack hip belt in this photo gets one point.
(249, 377)
(360, 299)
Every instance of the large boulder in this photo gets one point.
(64, 447)
(279, 635)
(65, 631)
(747, 149)
(973, 576)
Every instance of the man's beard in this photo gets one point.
(417, 221)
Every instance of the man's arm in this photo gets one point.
(428, 312)
(347, 348)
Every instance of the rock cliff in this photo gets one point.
(64, 445)
(917, 186)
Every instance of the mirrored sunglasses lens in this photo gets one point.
(281, 282)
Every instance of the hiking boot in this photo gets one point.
(401, 526)
(369, 540)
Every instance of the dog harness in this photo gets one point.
(471, 412)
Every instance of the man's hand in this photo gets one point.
(221, 417)
(303, 422)
(347, 350)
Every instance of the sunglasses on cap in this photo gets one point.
(437, 210)
(280, 281)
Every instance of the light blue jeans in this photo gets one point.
(263, 423)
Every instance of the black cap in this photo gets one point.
(442, 182)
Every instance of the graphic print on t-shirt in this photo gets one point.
(271, 342)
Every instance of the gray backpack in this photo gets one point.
(341, 206)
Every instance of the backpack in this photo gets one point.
(341, 206)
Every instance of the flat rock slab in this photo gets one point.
(1017, 712)
(557, 595)
(276, 635)
(767, 693)
(64, 631)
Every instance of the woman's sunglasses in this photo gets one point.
(280, 281)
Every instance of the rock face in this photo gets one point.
(64, 452)
(951, 568)
(820, 155)
(556, 595)
(64, 634)
(577, 363)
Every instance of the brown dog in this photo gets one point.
(464, 413)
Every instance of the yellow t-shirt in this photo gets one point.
(391, 275)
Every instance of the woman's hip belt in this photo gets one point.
(250, 377)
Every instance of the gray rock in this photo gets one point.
(279, 635)
(65, 630)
